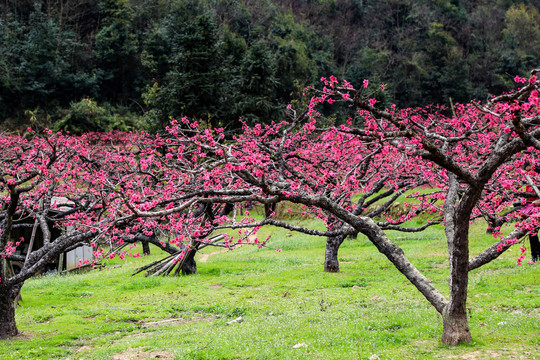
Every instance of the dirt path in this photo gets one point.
(204, 257)
(139, 353)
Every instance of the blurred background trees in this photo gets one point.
(140, 62)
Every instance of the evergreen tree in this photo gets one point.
(195, 81)
(38, 65)
(116, 52)
(258, 84)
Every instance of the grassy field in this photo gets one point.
(290, 308)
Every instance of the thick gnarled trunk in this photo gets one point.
(331, 263)
(455, 327)
(8, 328)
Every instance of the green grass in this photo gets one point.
(285, 299)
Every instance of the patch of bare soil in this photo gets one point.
(139, 354)
(214, 286)
(204, 257)
(84, 348)
(488, 354)
(172, 322)
(24, 335)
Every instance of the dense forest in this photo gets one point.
(84, 65)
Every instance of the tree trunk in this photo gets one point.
(331, 263)
(8, 328)
(146, 247)
(455, 327)
(190, 266)
(535, 247)
(456, 227)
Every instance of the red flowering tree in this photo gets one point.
(38, 182)
(476, 156)
(472, 157)
(183, 186)
(64, 191)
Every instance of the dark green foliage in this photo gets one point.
(116, 52)
(195, 80)
(218, 61)
(86, 115)
(429, 51)
(258, 84)
(38, 64)
(205, 70)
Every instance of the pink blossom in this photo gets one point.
(518, 79)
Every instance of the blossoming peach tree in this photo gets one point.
(473, 157)
(189, 184)
(476, 156)
(35, 173)
(65, 191)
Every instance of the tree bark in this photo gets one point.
(331, 263)
(190, 266)
(8, 327)
(457, 214)
(535, 247)
(455, 326)
(146, 247)
(495, 250)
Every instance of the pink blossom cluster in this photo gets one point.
(122, 184)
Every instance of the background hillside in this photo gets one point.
(122, 64)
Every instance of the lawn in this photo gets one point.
(290, 308)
